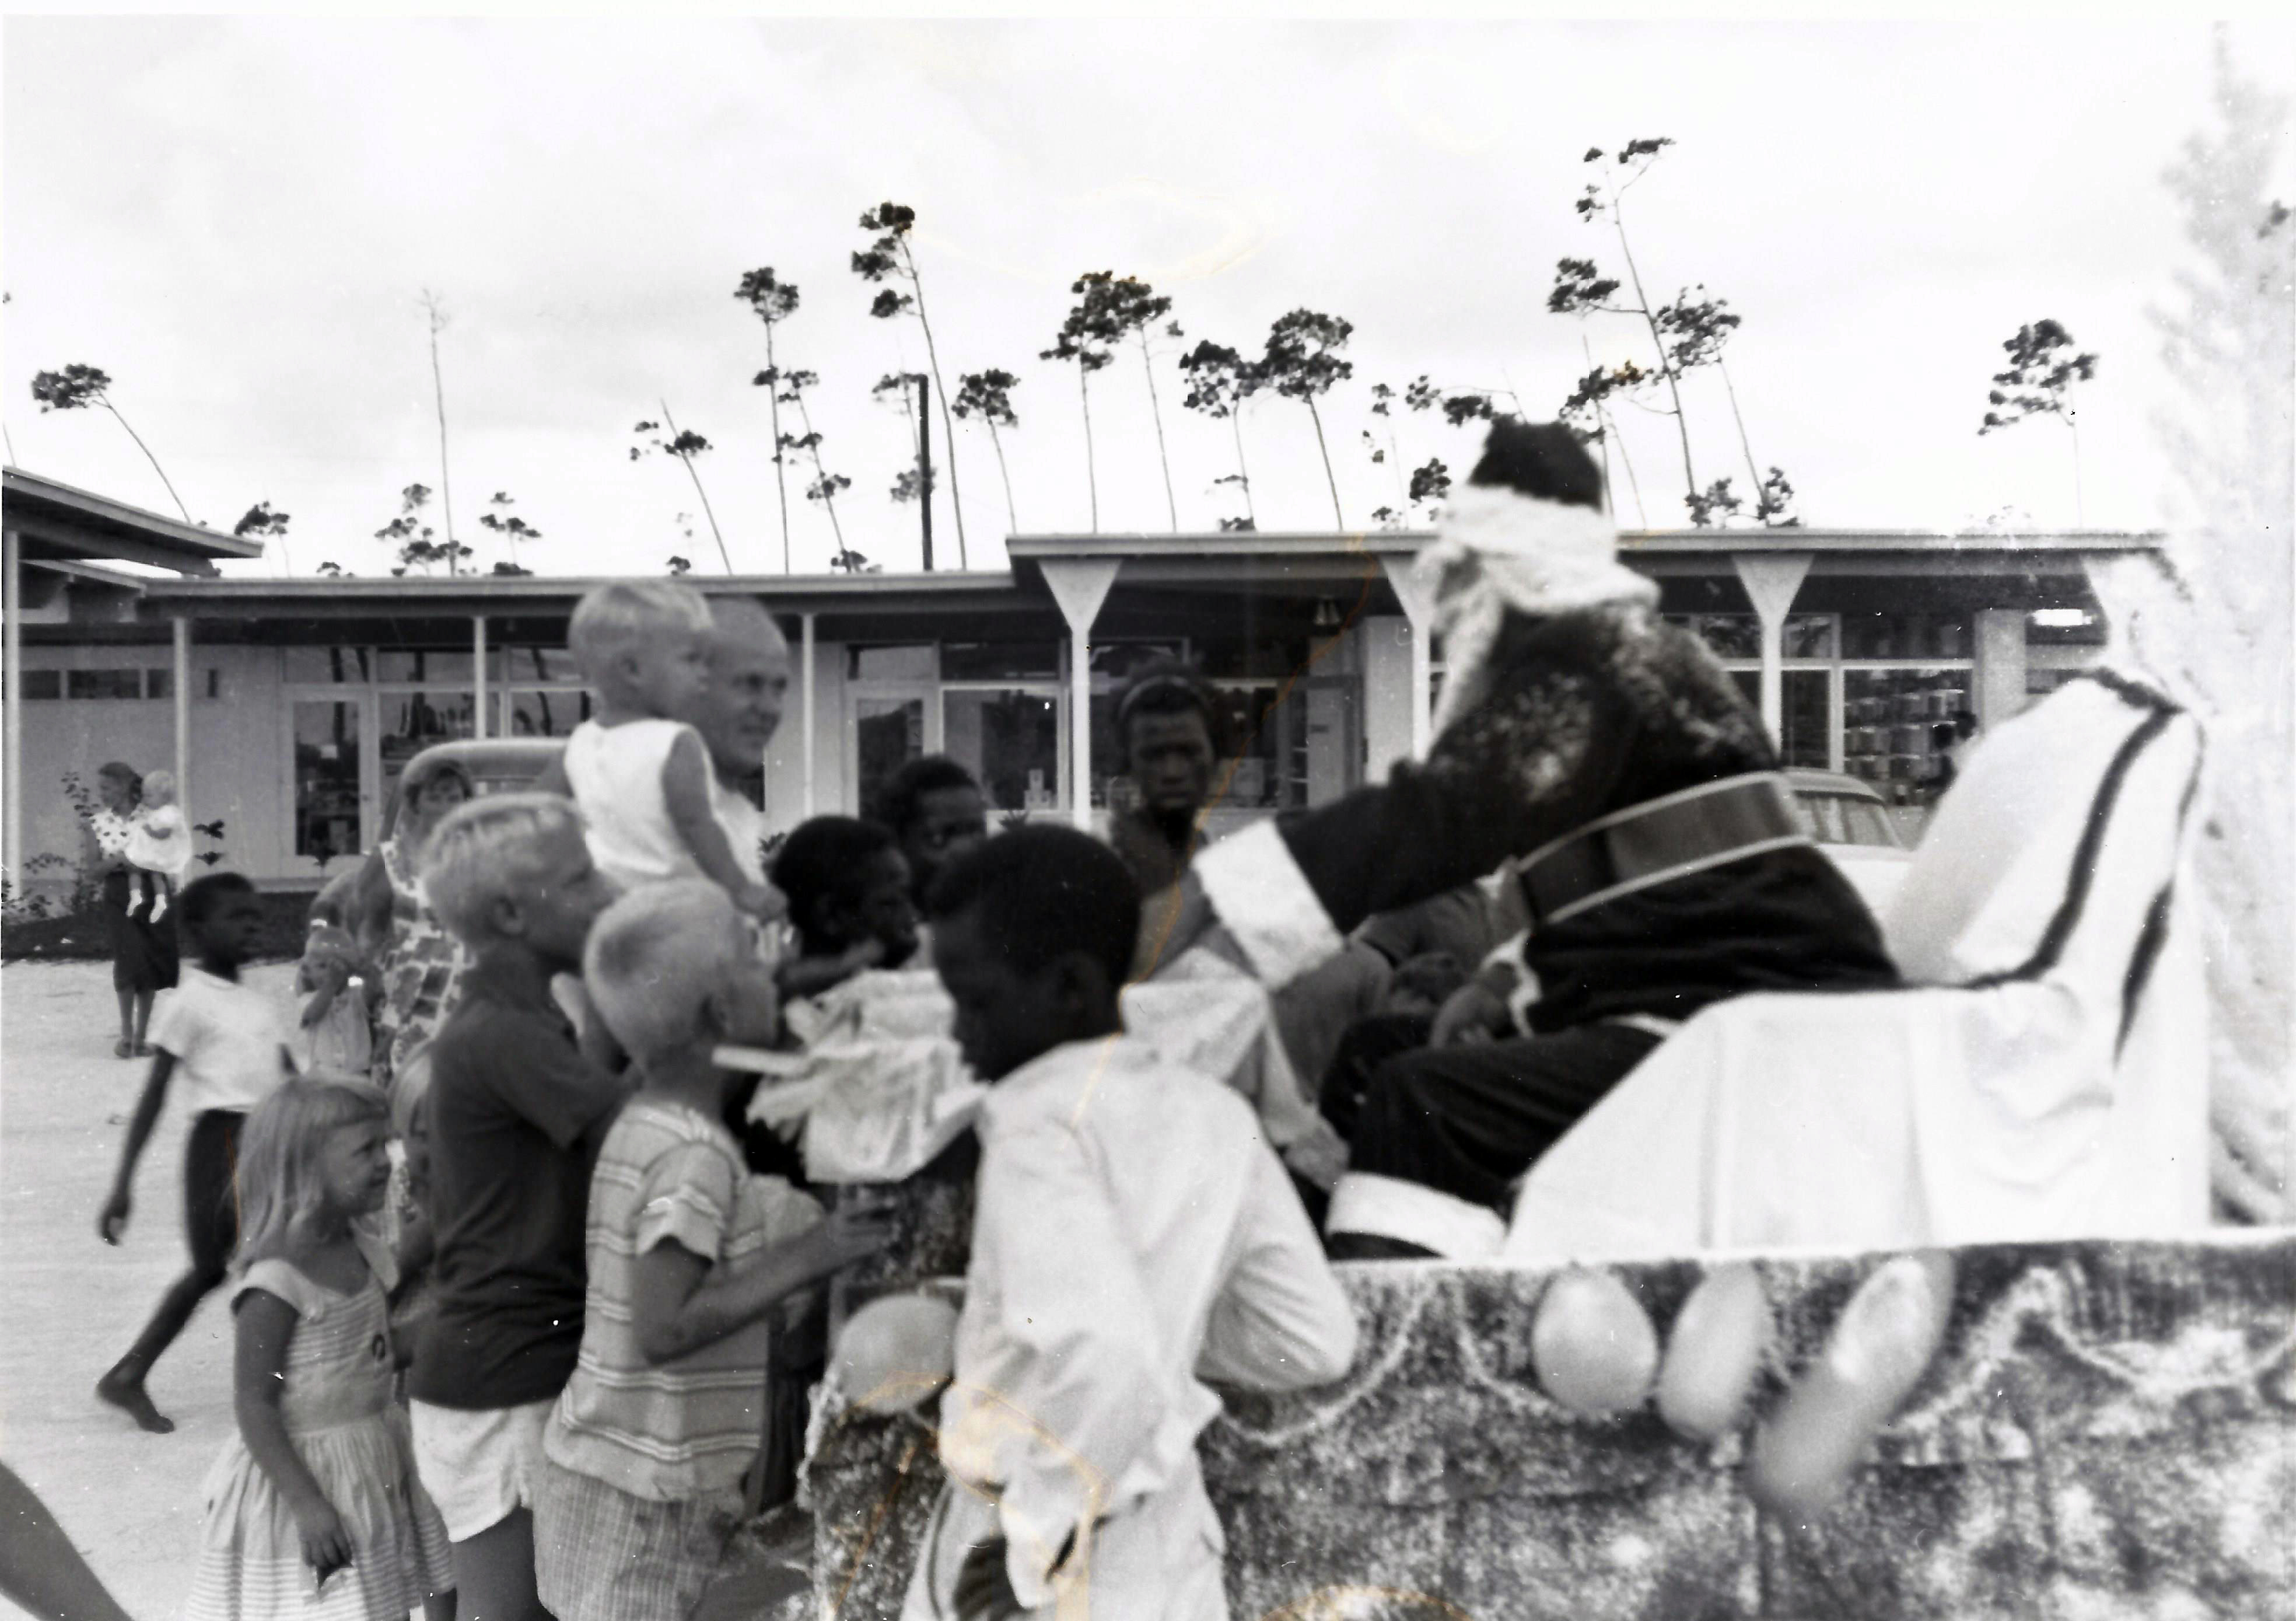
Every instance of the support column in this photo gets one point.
(1998, 685)
(1080, 586)
(805, 702)
(12, 580)
(1419, 608)
(183, 629)
(1771, 580)
(479, 674)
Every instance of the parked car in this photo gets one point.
(1854, 827)
(495, 765)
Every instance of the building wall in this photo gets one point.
(1386, 647)
(238, 770)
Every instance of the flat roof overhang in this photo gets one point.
(55, 520)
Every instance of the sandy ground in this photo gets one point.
(68, 1305)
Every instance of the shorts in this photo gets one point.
(601, 1554)
(480, 1467)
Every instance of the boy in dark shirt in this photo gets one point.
(516, 1115)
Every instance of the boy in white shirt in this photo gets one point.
(1134, 1236)
(642, 775)
(227, 1043)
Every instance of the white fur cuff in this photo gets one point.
(1268, 904)
(1388, 1207)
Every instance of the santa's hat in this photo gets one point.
(1527, 534)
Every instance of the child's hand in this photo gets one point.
(853, 1232)
(326, 1544)
(112, 1224)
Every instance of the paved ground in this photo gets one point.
(68, 1305)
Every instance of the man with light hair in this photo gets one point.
(515, 1114)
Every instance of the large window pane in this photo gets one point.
(327, 665)
(1728, 635)
(1809, 636)
(448, 665)
(326, 780)
(412, 721)
(547, 714)
(1903, 636)
(103, 684)
(914, 663)
(1806, 722)
(541, 664)
(1889, 717)
(1120, 660)
(887, 733)
(1011, 741)
(999, 661)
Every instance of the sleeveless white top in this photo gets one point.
(616, 775)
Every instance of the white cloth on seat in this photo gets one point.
(2053, 1086)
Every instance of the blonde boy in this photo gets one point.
(688, 1258)
(642, 774)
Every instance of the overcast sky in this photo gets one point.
(235, 220)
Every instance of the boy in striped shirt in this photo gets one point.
(690, 1259)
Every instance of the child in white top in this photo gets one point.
(1135, 1238)
(227, 1041)
(159, 841)
(641, 775)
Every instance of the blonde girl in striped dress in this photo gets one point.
(314, 1510)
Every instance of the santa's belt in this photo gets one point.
(1658, 840)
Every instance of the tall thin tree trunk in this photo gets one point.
(948, 427)
(781, 473)
(1611, 434)
(1317, 417)
(1156, 413)
(438, 393)
(1658, 342)
(155, 460)
(1091, 475)
(1012, 514)
(1235, 425)
(1752, 471)
(2080, 513)
(723, 557)
(828, 498)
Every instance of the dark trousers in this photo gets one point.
(210, 1227)
(1470, 1120)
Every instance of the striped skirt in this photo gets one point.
(251, 1567)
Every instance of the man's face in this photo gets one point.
(948, 822)
(1004, 1019)
(562, 897)
(1171, 760)
(739, 709)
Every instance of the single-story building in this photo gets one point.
(289, 706)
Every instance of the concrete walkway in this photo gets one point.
(68, 1305)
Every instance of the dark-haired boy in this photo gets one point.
(937, 810)
(1134, 1238)
(229, 1042)
(848, 899)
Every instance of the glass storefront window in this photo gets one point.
(1000, 661)
(325, 666)
(888, 733)
(1011, 741)
(1905, 636)
(535, 714)
(412, 721)
(1118, 661)
(1805, 722)
(326, 780)
(448, 665)
(910, 664)
(541, 664)
(1809, 636)
(1889, 718)
(1728, 636)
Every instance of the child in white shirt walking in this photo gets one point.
(1135, 1237)
(227, 1042)
(640, 773)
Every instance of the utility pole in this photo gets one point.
(924, 461)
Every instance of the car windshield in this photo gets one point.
(1845, 819)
